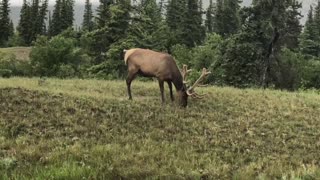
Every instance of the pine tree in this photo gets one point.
(316, 26)
(194, 31)
(148, 29)
(227, 20)
(103, 13)
(292, 25)
(67, 14)
(308, 44)
(87, 23)
(62, 17)
(25, 23)
(42, 17)
(4, 21)
(209, 23)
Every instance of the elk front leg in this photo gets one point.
(161, 85)
(170, 88)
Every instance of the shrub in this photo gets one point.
(5, 73)
(56, 56)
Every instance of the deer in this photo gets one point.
(162, 66)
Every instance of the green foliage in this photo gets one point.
(288, 74)
(239, 64)
(57, 57)
(311, 74)
(5, 73)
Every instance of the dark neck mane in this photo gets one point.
(178, 82)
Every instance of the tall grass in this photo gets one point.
(73, 129)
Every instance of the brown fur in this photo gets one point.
(150, 63)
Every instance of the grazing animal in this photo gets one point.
(150, 63)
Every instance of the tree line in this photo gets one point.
(263, 45)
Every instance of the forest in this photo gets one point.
(262, 45)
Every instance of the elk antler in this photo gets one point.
(184, 73)
(191, 92)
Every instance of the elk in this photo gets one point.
(162, 66)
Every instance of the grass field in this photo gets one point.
(21, 53)
(87, 129)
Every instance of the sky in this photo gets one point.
(51, 2)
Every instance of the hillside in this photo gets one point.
(21, 53)
(87, 129)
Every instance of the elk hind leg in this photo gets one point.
(131, 76)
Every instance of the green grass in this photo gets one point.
(74, 129)
(21, 53)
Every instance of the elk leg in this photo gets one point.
(130, 78)
(170, 88)
(161, 90)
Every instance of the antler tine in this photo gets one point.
(185, 72)
(203, 75)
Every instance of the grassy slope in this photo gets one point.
(69, 129)
(21, 53)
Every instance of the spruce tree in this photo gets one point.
(4, 21)
(209, 23)
(62, 17)
(227, 20)
(308, 44)
(292, 25)
(103, 12)
(25, 23)
(87, 23)
(176, 19)
(148, 29)
(193, 29)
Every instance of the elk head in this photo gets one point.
(190, 91)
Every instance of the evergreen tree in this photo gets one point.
(11, 29)
(67, 14)
(25, 23)
(87, 23)
(55, 27)
(308, 44)
(32, 20)
(316, 26)
(62, 17)
(148, 29)
(194, 31)
(4, 21)
(227, 20)
(292, 25)
(209, 23)
(42, 17)
(103, 13)
(176, 19)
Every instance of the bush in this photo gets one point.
(311, 74)
(57, 56)
(5, 73)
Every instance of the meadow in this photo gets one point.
(87, 129)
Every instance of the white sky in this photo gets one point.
(51, 2)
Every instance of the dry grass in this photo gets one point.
(21, 53)
(72, 129)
